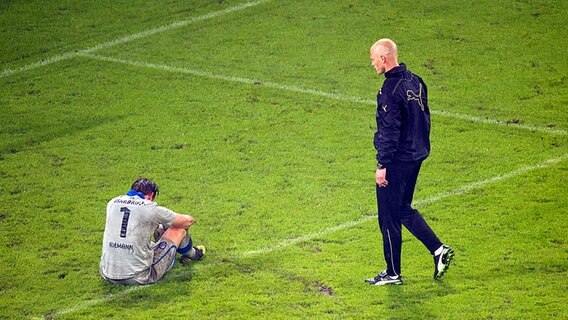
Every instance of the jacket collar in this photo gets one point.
(396, 72)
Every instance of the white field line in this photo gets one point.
(129, 38)
(419, 203)
(289, 242)
(336, 96)
(500, 122)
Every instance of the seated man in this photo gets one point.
(129, 256)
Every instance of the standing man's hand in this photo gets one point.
(381, 177)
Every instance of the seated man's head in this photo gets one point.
(146, 186)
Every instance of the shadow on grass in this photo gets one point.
(410, 299)
(48, 131)
(137, 296)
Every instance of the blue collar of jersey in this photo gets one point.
(133, 193)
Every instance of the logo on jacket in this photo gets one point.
(384, 108)
(418, 97)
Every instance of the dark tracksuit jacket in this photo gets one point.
(402, 141)
(403, 118)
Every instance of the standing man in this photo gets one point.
(128, 255)
(402, 141)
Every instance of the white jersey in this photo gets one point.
(127, 243)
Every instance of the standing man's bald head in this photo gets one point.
(384, 55)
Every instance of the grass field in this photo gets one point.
(257, 118)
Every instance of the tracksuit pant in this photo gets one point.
(394, 205)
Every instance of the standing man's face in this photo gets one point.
(378, 61)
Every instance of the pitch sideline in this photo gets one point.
(289, 242)
(292, 88)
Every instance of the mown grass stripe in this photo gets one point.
(292, 88)
(174, 25)
(289, 242)
(418, 204)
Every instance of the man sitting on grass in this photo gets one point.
(129, 256)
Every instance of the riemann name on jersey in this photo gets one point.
(121, 246)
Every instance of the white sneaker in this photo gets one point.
(384, 279)
(442, 261)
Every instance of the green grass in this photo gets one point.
(259, 122)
